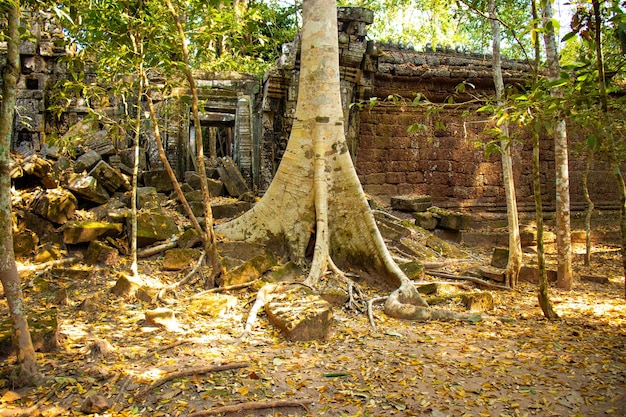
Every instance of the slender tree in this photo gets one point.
(316, 195)
(563, 232)
(542, 293)
(615, 166)
(27, 372)
(210, 242)
(515, 246)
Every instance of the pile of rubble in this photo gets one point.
(59, 200)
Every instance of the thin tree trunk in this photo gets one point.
(563, 232)
(617, 172)
(515, 246)
(542, 294)
(590, 207)
(166, 163)
(210, 243)
(28, 373)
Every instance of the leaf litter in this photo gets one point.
(512, 363)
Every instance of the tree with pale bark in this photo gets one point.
(27, 372)
(561, 158)
(315, 196)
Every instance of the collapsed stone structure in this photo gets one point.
(251, 119)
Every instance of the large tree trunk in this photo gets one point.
(515, 246)
(27, 373)
(563, 232)
(316, 193)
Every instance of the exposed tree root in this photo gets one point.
(252, 406)
(26, 411)
(49, 264)
(404, 304)
(370, 309)
(188, 372)
(182, 282)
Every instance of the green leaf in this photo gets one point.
(335, 375)
(568, 36)
(592, 140)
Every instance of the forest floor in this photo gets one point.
(512, 363)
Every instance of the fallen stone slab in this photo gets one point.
(415, 203)
(232, 178)
(24, 243)
(177, 259)
(87, 231)
(492, 273)
(86, 161)
(247, 271)
(500, 257)
(478, 301)
(57, 205)
(451, 220)
(229, 209)
(300, 314)
(213, 305)
(426, 220)
(162, 317)
(531, 274)
(414, 270)
(154, 227)
(88, 188)
(99, 253)
(158, 179)
(110, 178)
(598, 279)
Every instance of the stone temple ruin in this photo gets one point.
(250, 121)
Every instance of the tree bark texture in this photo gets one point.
(563, 232)
(515, 246)
(316, 194)
(9, 276)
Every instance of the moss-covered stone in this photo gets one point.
(177, 259)
(87, 231)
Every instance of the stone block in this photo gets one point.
(414, 270)
(426, 220)
(158, 179)
(87, 231)
(229, 209)
(101, 143)
(177, 259)
(300, 314)
(57, 205)
(500, 257)
(189, 239)
(478, 301)
(99, 253)
(88, 188)
(127, 157)
(248, 271)
(232, 178)
(531, 274)
(110, 178)
(417, 203)
(492, 273)
(213, 305)
(453, 220)
(154, 227)
(87, 161)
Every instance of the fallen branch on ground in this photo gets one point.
(45, 265)
(468, 278)
(171, 244)
(251, 406)
(188, 372)
(182, 282)
(226, 288)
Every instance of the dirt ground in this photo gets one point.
(512, 363)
